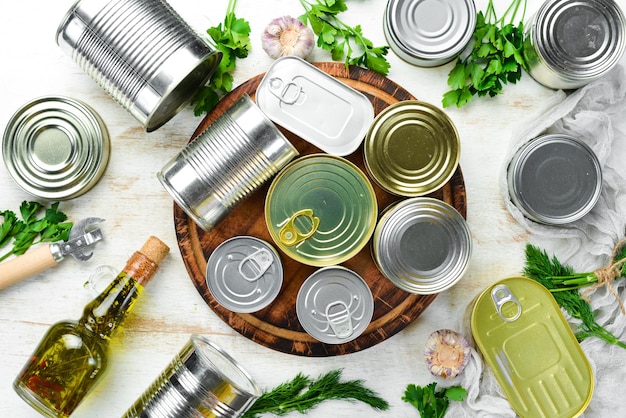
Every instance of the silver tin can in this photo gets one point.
(429, 33)
(315, 106)
(56, 148)
(228, 161)
(202, 380)
(570, 43)
(334, 305)
(423, 245)
(554, 179)
(244, 274)
(141, 52)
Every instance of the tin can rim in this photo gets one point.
(450, 218)
(72, 177)
(522, 155)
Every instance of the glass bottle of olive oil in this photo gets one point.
(72, 356)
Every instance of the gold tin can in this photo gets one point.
(412, 149)
(56, 148)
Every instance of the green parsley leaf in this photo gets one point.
(432, 403)
(341, 39)
(232, 38)
(495, 57)
(31, 229)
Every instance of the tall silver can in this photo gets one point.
(141, 52)
(228, 161)
(570, 43)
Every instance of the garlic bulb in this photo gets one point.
(287, 36)
(447, 353)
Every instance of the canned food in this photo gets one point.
(315, 106)
(334, 305)
(321, 210)
(56, 148)
(429, 33)
(412, 148)
(423, 245)
(227, 162)
(554, 179)
(244, 274)
(514, 320)
(570, 43)
(141, 52)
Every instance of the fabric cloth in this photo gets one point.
(595, 113)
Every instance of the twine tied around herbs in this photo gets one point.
(607, 274)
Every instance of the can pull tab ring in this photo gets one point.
(256, 263)
(339, 320)
(288, 93)
(290, 235)
(507, 305)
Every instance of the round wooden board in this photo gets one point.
(277, 326)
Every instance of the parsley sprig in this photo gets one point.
(343, 41)
(32, 229)
(495, 58)
(303, 393)
(232, 37)
(432, 403)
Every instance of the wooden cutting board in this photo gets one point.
(277, 326)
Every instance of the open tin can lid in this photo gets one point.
(334, 305)
(244, 274)
(315, 106)
(423, 245)
(412, 148)
(429, 33)
(56, 147)
(554, 179)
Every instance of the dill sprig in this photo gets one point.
(550, 272)
(303, 393)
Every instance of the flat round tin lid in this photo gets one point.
(429, 32)
(412, 148)
(56, 147)
(334, 305)
(244, 274)
(422, 245)
(555, 179)
(321, 210)
(581, 38)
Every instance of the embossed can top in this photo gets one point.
(429, 33)
(56, 147)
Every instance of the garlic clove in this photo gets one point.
(447, 353)
(285, 36)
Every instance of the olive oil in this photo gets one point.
(72, 356)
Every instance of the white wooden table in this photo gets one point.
(135, 206)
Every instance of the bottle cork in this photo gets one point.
(155, 249)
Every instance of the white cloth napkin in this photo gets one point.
(595, 113)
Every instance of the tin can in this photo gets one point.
(429, 33)
(244, 274)
(315, 106)
(141, 52)
(56, 147)
(529, 346)
(202, 380)
(412, 148)
(423, 245)
(334, 305)
(554, 179)
(228, 161)
(570, 43)
(321, 210)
